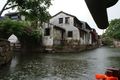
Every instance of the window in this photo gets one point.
(47, 32)
(67, 20)
(70, 34)
(60, 20)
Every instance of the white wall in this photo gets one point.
(55, 20)
(22, 17)
(67, 27)
(87, 36)
(87, 39)
(90, 40)
(48, 40)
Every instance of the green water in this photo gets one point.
(61, 66)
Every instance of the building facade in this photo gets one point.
(64, 28)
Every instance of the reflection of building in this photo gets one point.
(65, 28)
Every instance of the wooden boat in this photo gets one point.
(110, 74)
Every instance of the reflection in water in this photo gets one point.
(59, 66)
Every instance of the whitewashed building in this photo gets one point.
(63, 28)
(86, 32)
(69, 28)
(66, 21)
(52, 35)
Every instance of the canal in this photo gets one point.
(61, 66)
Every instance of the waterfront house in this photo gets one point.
(52, 35)
(64, 29)
(75, 29)
(94, 37)
(66, 22)
(85, 33)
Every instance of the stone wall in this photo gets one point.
(71, 49)
(5, 52)
(116, 43)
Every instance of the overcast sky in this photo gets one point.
(79, 9)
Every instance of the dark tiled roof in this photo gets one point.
(87, 26)
(14, 15)
(59, 28)
(11, 14)
(64, 13)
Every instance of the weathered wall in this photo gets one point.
(67, 26)
(5, 52)
(55, 20)
(47, 40)
(116, 43)
(71, 49)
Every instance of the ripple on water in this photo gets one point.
(73, 66)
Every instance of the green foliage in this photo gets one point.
(21, 29)
(9, 27)
(113, 31)
(107, 40)
(33, 9)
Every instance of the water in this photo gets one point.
(61, 66)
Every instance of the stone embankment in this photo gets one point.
(5, 52)
(72, 49)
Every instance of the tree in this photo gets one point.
(33, 9)
(22, 29)
(113, 31)
(106, 40)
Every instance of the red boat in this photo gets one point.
(110, 74)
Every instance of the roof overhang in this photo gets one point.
(98, 9)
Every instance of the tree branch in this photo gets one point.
(4, 7)
(10, 7)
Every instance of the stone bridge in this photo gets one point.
(28, 36)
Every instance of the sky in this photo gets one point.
(79, 9)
